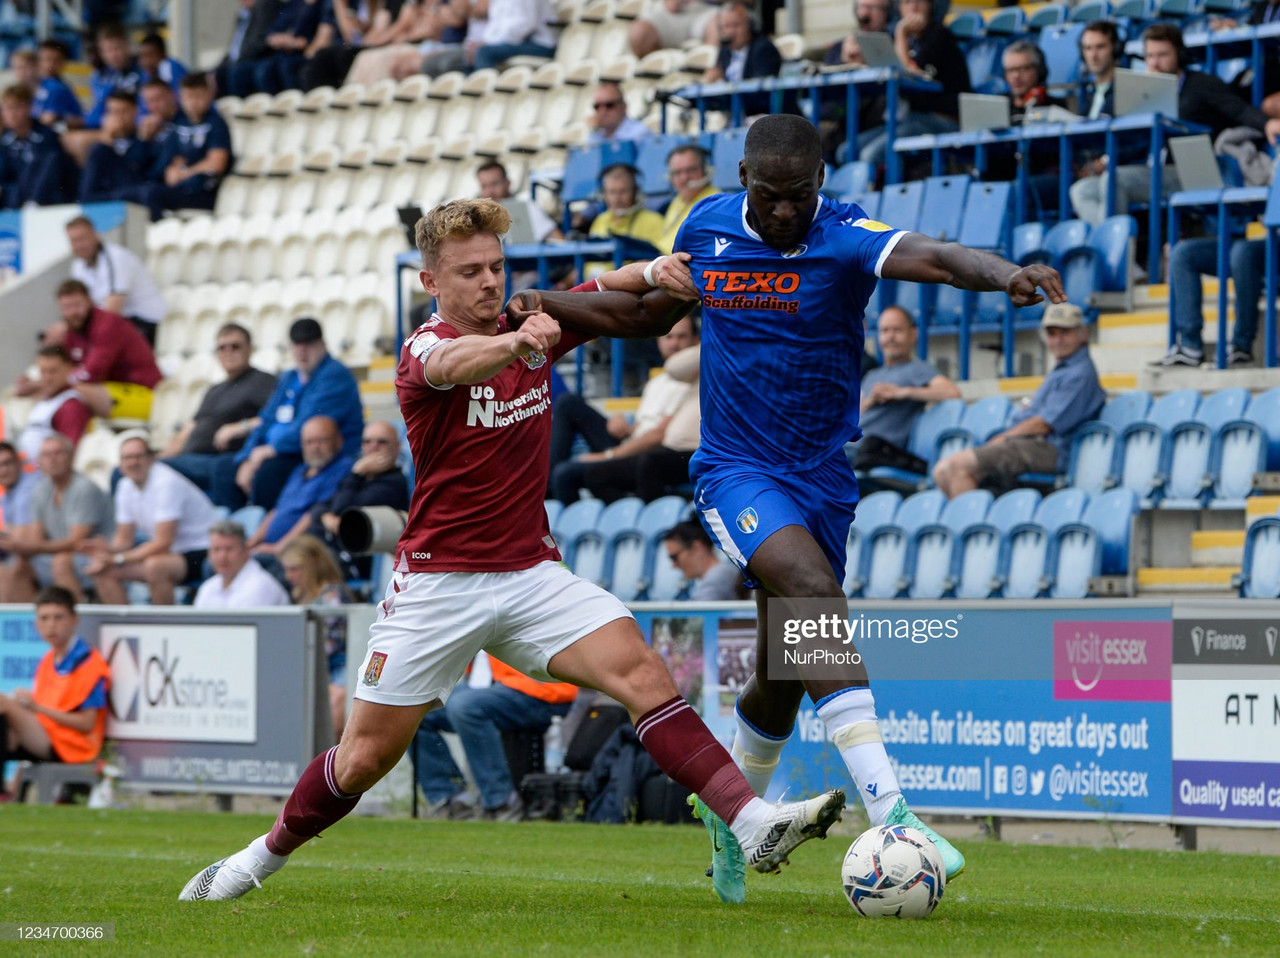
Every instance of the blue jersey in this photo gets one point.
(782, 332)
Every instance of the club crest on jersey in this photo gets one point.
(748, 520)
(535, 360)
(795, 251)
(373, 671)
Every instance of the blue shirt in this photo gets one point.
(170, 71)
(782, 332)
(16, 501)
(892, 421)
(331, 391)
(1069, 396)
(107, 81)
(31, 168)
(76, 654)
(300, 494)
(54, 96)
(193, 139)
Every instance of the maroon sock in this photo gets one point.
(685, 749)
(316, 803)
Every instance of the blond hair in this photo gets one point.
(319, 567)
(458, 219)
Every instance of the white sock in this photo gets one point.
(753, 815)
(271, 862)
(850, 717)
(755, 753)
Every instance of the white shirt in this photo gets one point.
(520, 21)
(661, 397)
(167, 495)
(117, 270)
(252, 587)
(628, 130)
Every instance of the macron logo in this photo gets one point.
(722, 245)
(873, 788)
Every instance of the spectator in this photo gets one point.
(56, 105)
(33, 168)
(238, 581)
(59, 409)
(234, 75)
(669, 24)
(1100, 49)
(166, 509)
(495, 185)
(117, 369)
(118, 282)
(689, 172)
(204, 450)
(744, 55)
(652, 463)
(67, 510)
(118, 71)
(713, 579)
(316, 581)
(17, 483)
(375, 480)
(894, 395)
(872, 16)
(63, 717)
(1027, 75)
(26, 73)
(313, 482)
(121, 161)
(625, 213)
(397, 51)
(609, 121)
(1039, 433)
(479, 716)
(1202, 98)
(158, 122)
(154, 62)
(288, 41)
(1193, 258)
(517, 28)
(926, 49)
(473, 17)
(195, 158)
(319, 384)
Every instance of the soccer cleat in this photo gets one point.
(226, 879)
(728, 872)
(792, 824)
(952, 860)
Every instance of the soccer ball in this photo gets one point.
(893, 871)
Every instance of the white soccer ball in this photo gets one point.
(893, 871)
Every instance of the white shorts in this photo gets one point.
(430, 626)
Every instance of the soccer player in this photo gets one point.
(477, 568)
(784, 275)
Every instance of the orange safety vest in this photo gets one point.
(554, 693)
(66, 693)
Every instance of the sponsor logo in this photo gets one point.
(750, 281)
(795, 251)
(873, 788)
(1197, 639)
(1270, 635)
(485, 409)
(722, 244)
(421, 555)
(873, 225)
(1119, 661)
(373, 671)
(125, 689)
(748, 520)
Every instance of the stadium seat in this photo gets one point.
(553, 507)
(930, 552)
(1133, 10)
(1067, 235)
(968, 25)
(1091, 464)
(651, 161)
(1049, 15)
(1189, 449)
(1024, 556)
(577, 518)
(1245, 447)
(249, 517)
(884, 556)
(726, 152)
(981, 420)
(1061, 46)
(1007, 22)
(1027, 238)
(874, 511)
(1141, 443)
(1260, 574)
(1090, 10)
(943, 207)
(664, 582)
(922, 442)
(983, 59)
(976, 553)
(852, 178)
(1104, 264)
(593, 547)
(1099, 544)
(869, 202)
(900, 205)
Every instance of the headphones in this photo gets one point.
(704, 158)
(637, 195)
(1109, 30)
(1175, 39)
(1037, 59)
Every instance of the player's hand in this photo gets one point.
(537, 334)
(523, 305)
(674, 278)
(1022, 285)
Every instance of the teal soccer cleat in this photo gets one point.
(952, 860)
(728, 865)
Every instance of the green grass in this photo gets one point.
(396, 887)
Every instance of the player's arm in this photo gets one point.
(670, 273)
(473, 359)
(618, 314)
(919, 259)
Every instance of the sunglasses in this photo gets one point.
(606, 106)
(228, 347)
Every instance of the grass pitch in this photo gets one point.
(395, 887)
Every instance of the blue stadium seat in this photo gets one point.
(593, 549)
(1260, 575)
(884, 557)
(900, 205)
(923, 441)
(1025, 553)
(651, 161)
(1103, 264)
(664, 581)
(726, 151)
(870, 203)
(1178, 9)
(976, 554)
(874, 511)
(581, 174)
(942, 212)
(1090, 10)
(1027, 239)
(1243, 447)
(1189, 449)
(1093, 447)
(554, 507)
(1050, 15)
(577, 518)
(981, 420)
(989, 230)
(929, 554)
(968, 25)
(1141, 443)
(1060, 44)
(1229, 70)
(1067, 235)
(1099, 544)
(849, 180)
(1007, 22)
(983, 59)
(249, 517)
(1135, 10)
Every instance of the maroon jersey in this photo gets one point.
(110, 349)
(480, 460)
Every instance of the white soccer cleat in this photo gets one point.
(229, 878)
(792, 824)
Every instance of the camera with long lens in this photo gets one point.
(371, 530)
